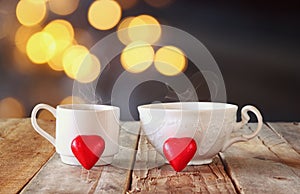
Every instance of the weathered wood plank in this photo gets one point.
(290, 132)
(22, 152)
(265, 164)
(56, 177)
(210, 178)
(147, 157)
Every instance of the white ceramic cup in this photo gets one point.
(209, 124)
(81, 119)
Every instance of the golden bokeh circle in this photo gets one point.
(80, 64)
(144, 28)
(137, 57)
(63, 7)
(104, 14)
(31, 12)
(122, 31)
(170, 60)
(41, 47)
(11, 108)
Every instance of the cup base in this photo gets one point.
(196, 162)
(71, 160)
(200, 162)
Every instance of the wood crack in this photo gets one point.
(129, 183)
(94, 186)
(270, 148)
(266, 155)
(283, 137)
(227, 169)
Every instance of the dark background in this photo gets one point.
(256, 45)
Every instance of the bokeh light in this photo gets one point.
(63, 33)
(170, 60)
(45, 115)
(80, 64)
(11, 108)
(31, 12)
(41, 47)
(23, 34)
(72, 100)
(104, 14)
(89, 69)
(158, 3)
(63, 7)
(137, 57)
(72, 57)
(127, 4)
(122, 31)
(56, 62)
(144, 28)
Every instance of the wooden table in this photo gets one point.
(269, 163)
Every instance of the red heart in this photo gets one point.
(179, 151)
(88, 149)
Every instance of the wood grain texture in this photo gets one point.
(290, 132)
(56, 177)
(269, 163)
(22, 152)
(147, 157)
(265, 164)
(193, 179)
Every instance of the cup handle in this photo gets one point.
(35, 124)
(245, 119)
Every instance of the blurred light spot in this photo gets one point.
(104, 14)
(81, 65)
(23, 34)
(31, 12)
(41, 47)
(56, 62)
(62, 31)
(72, 100)
(89, 69)
(127, 4)
(63, 7)
(22, 63)
(144, 28)
(11, 108)
(46, 115)
(63, 34)
(158, 3)
(170, 60)
(122, 31)
(137, 57)
(72, 57)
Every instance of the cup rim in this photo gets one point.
(170, 106)
(87, 107)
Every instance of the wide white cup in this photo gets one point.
(81, 119)
(209, 124)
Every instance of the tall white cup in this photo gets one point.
(81, 119)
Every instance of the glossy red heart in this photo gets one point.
(88, 149)
(179, 151)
